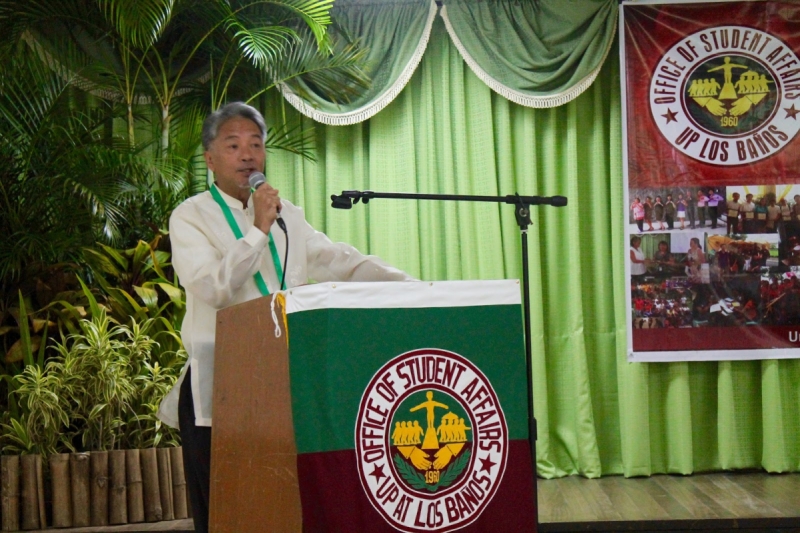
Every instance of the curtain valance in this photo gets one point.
(394, 33)
(541, 53)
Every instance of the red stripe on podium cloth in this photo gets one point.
(334, 501)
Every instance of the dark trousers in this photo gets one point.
(733, 224)
(196, 442)
(712, 214)
(691, 214)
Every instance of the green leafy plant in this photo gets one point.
(100, 392)
(19, 441)
(27, 350)
(65, 181)
(101, 104)
(167, 63)
(37, 410)
(96, 367)
(144, 429)
(44, 413)
(137, 282)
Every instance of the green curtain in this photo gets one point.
(394, 34)
(542, 53)
(447, 132)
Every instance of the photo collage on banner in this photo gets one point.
(712, 179)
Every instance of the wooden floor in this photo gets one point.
(721, 501)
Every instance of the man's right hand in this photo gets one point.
(266, 204)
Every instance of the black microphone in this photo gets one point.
(257, 179)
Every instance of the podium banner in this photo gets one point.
(409, 404)
(711, 117)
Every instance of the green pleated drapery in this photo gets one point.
(394, 33)
(537, 54)
(447, 132)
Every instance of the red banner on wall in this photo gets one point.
(712, 116)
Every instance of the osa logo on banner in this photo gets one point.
(431, 440)
(727, 95)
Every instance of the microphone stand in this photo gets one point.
(522, 213)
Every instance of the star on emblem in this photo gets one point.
(487, 464)
(791, 112)
(670, 116)
(377, 472)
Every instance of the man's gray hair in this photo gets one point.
(225, 113)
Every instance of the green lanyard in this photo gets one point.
(237, 232)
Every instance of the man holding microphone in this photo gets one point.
(227, 249)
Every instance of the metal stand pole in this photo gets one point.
(523, 216)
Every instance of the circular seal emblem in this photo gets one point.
(431, 440)
(726, 95)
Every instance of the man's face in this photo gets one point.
(237, 152)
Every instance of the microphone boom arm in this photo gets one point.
(348, 198)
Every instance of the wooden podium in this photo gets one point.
(254, 484)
